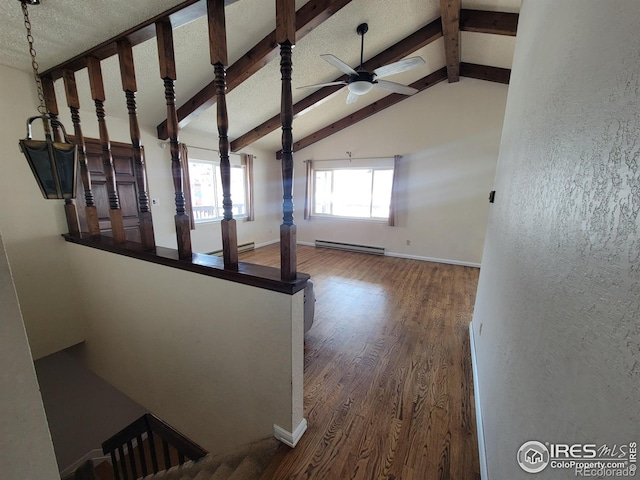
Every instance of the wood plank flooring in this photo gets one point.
(388, 385)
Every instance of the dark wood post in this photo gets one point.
(164, 36)
(218, 51)
(97, 93)
(129, 85)
(286, 37)
(73, 102)
(52, 107)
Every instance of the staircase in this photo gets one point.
(246, 463)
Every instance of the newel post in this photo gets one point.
(218, 51)
(166, 56)
(286, 37)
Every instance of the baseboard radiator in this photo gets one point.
(350, 247)
(245, 247)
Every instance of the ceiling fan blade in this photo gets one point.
(395, 87)
(399, 66)
(352, 97)
(328, 84)
(339, 64)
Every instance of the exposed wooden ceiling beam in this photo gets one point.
(181, 14)
(308, 17)
(481, 21)
(422, 84)
(407, 46)
(450, 15)
(484, 72)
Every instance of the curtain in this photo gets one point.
(307, 193)
(186, 183)
(247, 163)
(395, 187)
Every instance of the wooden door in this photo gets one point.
(127, 188)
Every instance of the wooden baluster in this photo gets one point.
(123, 463)
(164, 35)
(152, 449)
(129, 85)
(218, 51)
(97, 93)
(114, 464)
(286, 37)
(73, 102)
(166, 454)
(132, 460)
(143, 457)
(52, 107)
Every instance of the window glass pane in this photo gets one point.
(352, 192)
(381, 193)
(203, 197)
(237, 191)
(322, 203)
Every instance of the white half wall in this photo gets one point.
(219, 361)
(556, 317)
(31, 228)
(26, 450)
(448, 136)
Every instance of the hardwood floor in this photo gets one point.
(388, 382)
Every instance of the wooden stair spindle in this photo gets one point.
(97, 93)
(129, 85)
(218, 51)
(164, 36)
(52, 107)
(286, 36)
(73, 102)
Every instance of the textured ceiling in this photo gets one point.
(248, 21)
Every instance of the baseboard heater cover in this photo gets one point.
(245, 247)
(350, 247)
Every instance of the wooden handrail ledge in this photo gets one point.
(259, 276)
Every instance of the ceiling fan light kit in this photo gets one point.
(361, 82)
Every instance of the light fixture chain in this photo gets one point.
(42, 109)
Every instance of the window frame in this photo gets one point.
(370, 167)
(217, 187)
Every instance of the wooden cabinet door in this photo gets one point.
(127, 188)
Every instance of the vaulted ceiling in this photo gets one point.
(64, 29)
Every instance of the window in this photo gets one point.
(352, 192)
(206, 190)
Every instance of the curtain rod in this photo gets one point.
(349, 158)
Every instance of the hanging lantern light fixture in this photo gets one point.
(53, 163)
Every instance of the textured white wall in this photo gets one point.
(219, 361)
(26, 450)
(31, 227)
(449, 137)
(557, 315)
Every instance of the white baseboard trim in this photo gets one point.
(484, 475)
(289, 438)
(264, 244)
(431, 259)
(92, 455)
(416, 257)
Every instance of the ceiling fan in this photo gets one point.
(360, 81)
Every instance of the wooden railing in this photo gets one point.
(162, 28)
(155, 442)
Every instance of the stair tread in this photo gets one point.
(247, 470)
(223, 472)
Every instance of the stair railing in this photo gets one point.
(127, 461)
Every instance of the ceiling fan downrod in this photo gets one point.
(362, 29)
